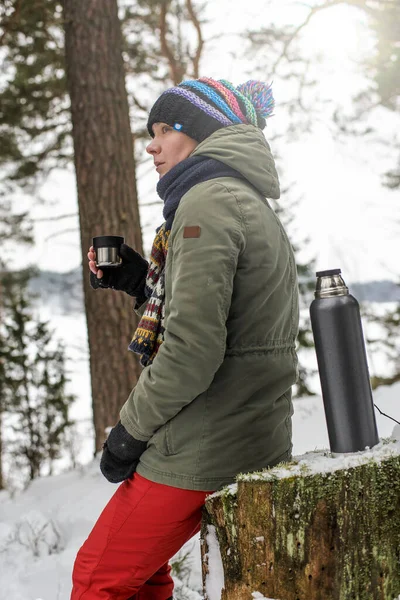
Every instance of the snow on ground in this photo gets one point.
(215, 577)
(42, 528)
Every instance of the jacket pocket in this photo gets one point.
(162, 440)
(184, 432)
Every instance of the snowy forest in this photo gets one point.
(78, 79)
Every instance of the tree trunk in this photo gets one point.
(107, 194)
(308, 536)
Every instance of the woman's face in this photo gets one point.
(169, 147)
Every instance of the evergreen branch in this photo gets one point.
(377, 381)
(6, 24)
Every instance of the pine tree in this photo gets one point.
(34, 116)
(33, 400)
(13, 228)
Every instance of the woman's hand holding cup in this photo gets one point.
(92, 263)
(129, 276)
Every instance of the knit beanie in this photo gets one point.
(198, 107)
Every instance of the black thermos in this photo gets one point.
(342, 364)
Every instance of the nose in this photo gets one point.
(153, 147)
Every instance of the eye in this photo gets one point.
(166, 128)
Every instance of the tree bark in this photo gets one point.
(107, 194)
(332, 536)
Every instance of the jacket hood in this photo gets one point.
(245, 149)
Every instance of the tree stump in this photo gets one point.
(317, 528)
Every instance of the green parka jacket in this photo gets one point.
(217, 399)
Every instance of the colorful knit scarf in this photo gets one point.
(149, 334)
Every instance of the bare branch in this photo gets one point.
(57, 233)
(166, 51)
(220, 36)
(57, 218)
(200, 41)
(137, 103)
(155, 203)
(314, 10)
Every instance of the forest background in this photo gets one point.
(76, 84)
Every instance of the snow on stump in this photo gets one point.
(317, 528)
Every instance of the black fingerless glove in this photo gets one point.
(130, 277)
(121, 453)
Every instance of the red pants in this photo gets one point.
(127, 552)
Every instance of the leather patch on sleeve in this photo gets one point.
(192, 232)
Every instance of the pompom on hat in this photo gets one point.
(198, 107)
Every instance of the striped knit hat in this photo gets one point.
(198, 107)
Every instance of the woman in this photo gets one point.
(219, 307)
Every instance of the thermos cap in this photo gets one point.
(329, 272)
(107, 241)
(330, 283)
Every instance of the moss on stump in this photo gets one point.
(291, 534)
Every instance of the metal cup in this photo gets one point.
(107, 249)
